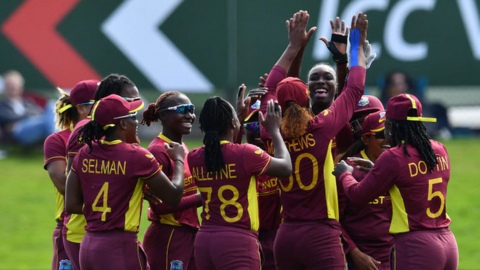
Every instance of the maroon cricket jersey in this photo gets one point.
(269, 202)
(55, 148)
(418, 196)
(368, 224)
(310, 193)
(186, 211)
(112, 184)
(74, 145)
(229, 197)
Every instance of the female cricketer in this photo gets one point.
(74, 228)
(226, 176)
(309, 237)
(106, 184)
(369, 241)
(169, 239)
(416, 172)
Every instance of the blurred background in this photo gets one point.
(205, 48)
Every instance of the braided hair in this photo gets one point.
(215, 119)
(69, 117)
(93, 132)
(414, 133)
(112, 84)
(151, 113)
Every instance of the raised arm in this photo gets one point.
(281, 165)
(338, 47)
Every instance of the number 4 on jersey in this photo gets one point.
(104, 208)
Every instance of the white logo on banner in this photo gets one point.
(133, 28)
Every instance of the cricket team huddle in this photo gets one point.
(329, 179)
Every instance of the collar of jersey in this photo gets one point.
(364, 155)
(111, 142)
(163, 137)
(224, 142)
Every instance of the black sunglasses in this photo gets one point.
(181, 109)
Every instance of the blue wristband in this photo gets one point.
(354, 42)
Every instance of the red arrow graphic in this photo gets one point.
(31, 29)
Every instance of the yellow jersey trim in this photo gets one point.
(364, 154)
(399, 222)
(132, 216)
(169, 219)
(331, 194)
(76, 228)
(111, 142)
(163, 137)
(59, 205)
(151, 174)
(266, 166)
(56, 157)
(252, 209)
(224, 142)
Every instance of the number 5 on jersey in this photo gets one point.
(104, 208)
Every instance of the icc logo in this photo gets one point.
(176, 265)
(65, 265)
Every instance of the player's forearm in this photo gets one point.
(296, 66)
(178, 180)
(287, 57)
(185, 203)
(281, 153)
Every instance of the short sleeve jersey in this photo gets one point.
(368, 224)
(74, 144)
(176, 215)
(230, 195)
(418, 195)
(55, 148)
(112, 178)
(310, 193)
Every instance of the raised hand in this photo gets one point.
(273, 118)
(242, 104)
(358, 35)
(175, 151)
(338, 42)
(263, 80)
(297, 35)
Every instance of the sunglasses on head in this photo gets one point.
(131, 99)
(181, 109)
(253, 126)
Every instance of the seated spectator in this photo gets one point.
(22, 120)
(399, 82)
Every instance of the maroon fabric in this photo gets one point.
(220, 247)
(185, 212)
(267, 240)
(309, 152)
(55, 147)
(427, 249)
(119, 164)
(224, 194)
(167, 244)
(112, 250)
(368, 225)
(269, 202)
(309, 245)
(73, 250)
(413, 179)
(373, 123)
(74, 145)
(367, 104)
(108, 108)
(399, 106)
(292, 89)
(83, 91)
(59, 254)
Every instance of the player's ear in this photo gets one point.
(123, 124)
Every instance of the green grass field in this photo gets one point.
(27, 207)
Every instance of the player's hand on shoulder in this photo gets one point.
(175, 151)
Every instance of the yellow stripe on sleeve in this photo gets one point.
(61, 157)
(266, 166)
(151, 174)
